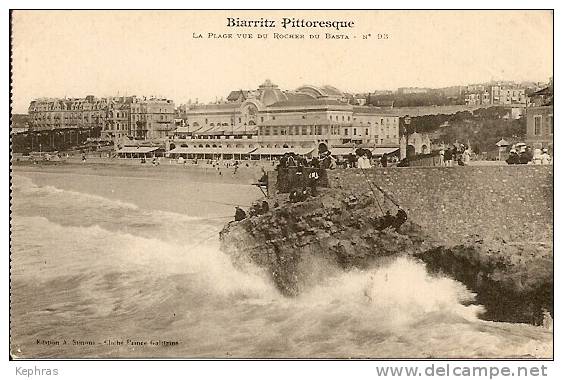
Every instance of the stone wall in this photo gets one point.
(514, 203)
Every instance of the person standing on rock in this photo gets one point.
(442, 153)
(384, 160)
(313, 181)
(298, 180)
(545, 157)
(448, 155)
(363, 162)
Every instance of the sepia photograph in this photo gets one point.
(281, 184)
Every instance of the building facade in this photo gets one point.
(539, 120)
(270, 118)
(495, 95)
(117, 117)
(152, 118)
(54, 113)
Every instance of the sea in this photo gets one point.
(129, 266)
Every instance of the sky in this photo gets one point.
(148, 53)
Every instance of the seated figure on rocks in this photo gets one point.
(400, 219)
(389, 220)
(239, 214)
(385, 221)
(256, 209)
(298, 195)
(265, 207)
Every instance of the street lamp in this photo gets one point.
(407, 121)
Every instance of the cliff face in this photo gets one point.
(488, 227)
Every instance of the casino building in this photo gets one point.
(269, 121)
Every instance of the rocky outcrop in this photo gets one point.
(513, 280)
(298, 242)
(473, 224)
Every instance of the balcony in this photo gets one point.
(164, 127)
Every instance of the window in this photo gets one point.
(354, 131)
(367, 132)
(537, 125)
(205, 121)
(303, 117)
(240, 120)
(336, 117)
(273, 118)
(262, 119)
(348, 118)
(330, 117)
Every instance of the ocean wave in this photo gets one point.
(399, 293)
(96, 249)
(192, 291)
(26, 186)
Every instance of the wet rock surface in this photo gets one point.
(488, 227)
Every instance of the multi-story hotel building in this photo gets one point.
(495, 95)
(54, 113)
(117, 117)
(152, 118)
(272, 120)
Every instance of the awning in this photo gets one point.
(193, 150)
(382, 151)
(138, 149)
(341, 151)
(182, 130)
(502, 142)
(282, 151)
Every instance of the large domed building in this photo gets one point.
(269, 121)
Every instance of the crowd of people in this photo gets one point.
(454, 154)
(363, 159)
(523, 154)
(303, 184)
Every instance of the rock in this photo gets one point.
(461, 231)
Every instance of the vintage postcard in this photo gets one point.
(271, 184)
